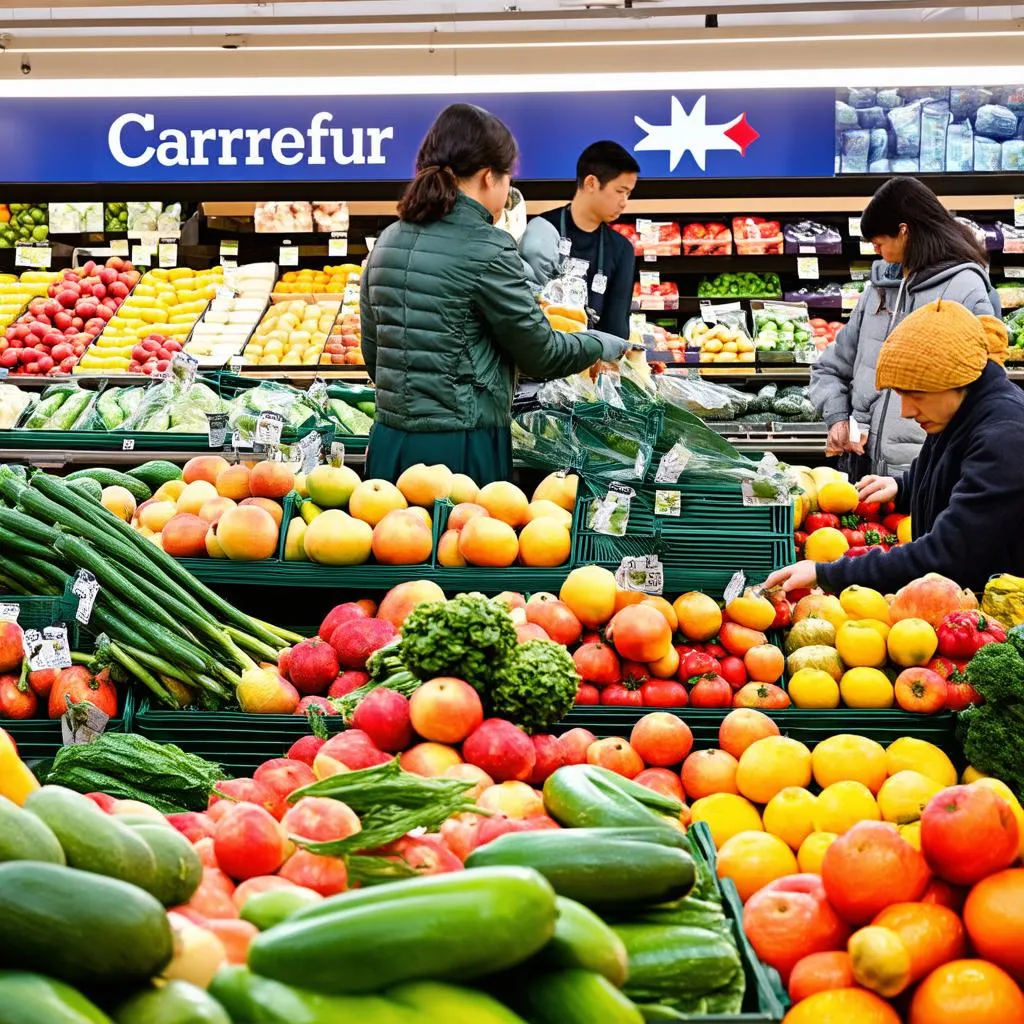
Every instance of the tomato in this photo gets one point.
(698, 663)
(869, 510)
(621, 696)
(587, 693)
(921, 690)
(960, 694)
(78, 683)
(855, 538)
(664, 693)
(14, 701)
(948, 668)
(762, 695)
(821, 521)
(783, 610)
(711, 691)
(734, 672)
(634, 674)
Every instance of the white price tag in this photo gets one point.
(854, 225)
(85, 587)
(1018, 211)
(36, 254)
(337, 454)
(867, 249)
(217, 428)
(288, 255)
(82, 723)
(599, 285)
(128, 444)
(735, 587)
(1013, 272)
(229, 248)
(610, 515)
(672, 464)
(9, 611)
(236, 363)
(337, 244)
(142, 255)
(184, 367)
(668, 503)
(807, 268)
(48, 649)
(318, 391)
(309, 448)
(643, 574)
(649, 279)
(167, 252)
(269, 426)
(240, 443)
(119, 247)
(860, 271)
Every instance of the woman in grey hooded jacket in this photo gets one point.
(926, 255)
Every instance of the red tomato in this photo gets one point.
(698, 663)
(664, 693)
(716, 650)
(734, 672)
(711, 691)
(619, 695)
(587, 693)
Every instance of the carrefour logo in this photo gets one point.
(135, 140)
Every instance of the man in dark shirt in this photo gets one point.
(605, 177)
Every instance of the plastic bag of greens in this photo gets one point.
(960, 147)
(703, 398)
(544, 439)
(964, 102)
(862, 98)
(871, 117)
(61, 407)
(781, 326)
(567, 392)
(988, 154)
(295, 408)
(935, 121)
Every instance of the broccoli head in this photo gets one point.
(535, 687)
(992, 742)
(997, 673)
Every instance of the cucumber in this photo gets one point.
(155, 472)
(251, 999)
(93, 841)
(574, 997)
(583, 940)
(440, 1002)
(484, 924)
(27, 998)
(87, 486)
(585, 795)
(265, 909)
(23, 836)
(79, 927)
(602, 873)
(111, 477)
(177, 1002)
(179, 870)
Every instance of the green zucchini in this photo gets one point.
(583, 940)
(574, 997)
(252, 999)
(177, 1002)
(44, 410)
(485, 924)
(440, 1002)
(23, 836)
(93, 841)
(80, 928)
(582, 795)
(603, 874)
(155, 472)
(70, 411)
(87, 486)
(179, 870)
(27, 998)
(111, 478)
(265, 909)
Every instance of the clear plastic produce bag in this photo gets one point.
(703, 398)
(295, 408)
(544, 439)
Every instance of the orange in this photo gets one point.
(820, 972)
(843, 1006)
(905, 531)
(812, 851)
(880, 960)
(666, 609)
(933, 935)
(753, 859)
(826, 545)
(726, 815)
(967, 992)
(699, 616)
(770, 765)
(846, 757)
(994, 915)
(838, 498)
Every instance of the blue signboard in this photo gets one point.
(681, 134)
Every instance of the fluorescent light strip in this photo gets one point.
(497, 84)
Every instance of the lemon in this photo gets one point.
(912, 642)
(881, 628)
(880, 960)
(789, 815)
(840, 806)
(826, 545)
(726, 815)
(971, 774)
(813, 688)
(838, 498)
(812, 851)
(771, 764)
(845, 757)
(866, 688)
(860, 645)
(911, 832)
(905, 795)
(920, 756)
(864, 603)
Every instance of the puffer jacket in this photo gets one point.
(448, 316)
(843, 379)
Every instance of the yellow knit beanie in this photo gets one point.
(939, 347)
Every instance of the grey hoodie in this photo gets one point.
(843, 379)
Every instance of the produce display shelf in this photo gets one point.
(765, 998)
(58, 457)
(39, 612)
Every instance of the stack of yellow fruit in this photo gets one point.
(291, 333)
(15, 292)
(329, 281)
(164, 302)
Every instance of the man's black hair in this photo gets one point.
(604, 160)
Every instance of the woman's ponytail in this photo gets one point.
(429, 196)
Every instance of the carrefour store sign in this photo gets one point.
(679, 133)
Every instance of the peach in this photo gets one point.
(263, 692)
(470, 773)
(271, 479)
(169, 491)
(247, 534)
(402, 538)
(515, 799)
(325, 875)
(401, 600)
(488, 542)
(213, 548)
(510, 599)
(544, 542)
(332, 486)
(448, 554)
(268, 505)
(617, 755)
(544, 509)
(550, 757)
(204, 467)
(372, 500)
(461, 514)
(282, 776)
(742, 727)
(559, 488)
(429, 759)
(662, 781)
(233, 483)
(195, 495)
(528, 631)
(321, 819)
(574, 745)
(423, 485)
(155, 515)
(336, 538)
(212, 510)
(184, 536)
(445, 710)
(506, 502)
(463, 489)
(556, 619)
(119, 501)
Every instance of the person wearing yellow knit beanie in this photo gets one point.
(965, 491)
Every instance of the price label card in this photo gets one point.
(318, 391)
(1014, 272)
(142, 255)
(236, 363)
(119, 247)
(269, 426)
(309, 449)
(184, 367)
(288, 255)
(850, 297)
(751, 500)
(610, 515)
(128, 444)
(860, 271)
(735, 587)
(9, 611)
(643, 574)
(854, 226)
(867, 249)
(1018, 211)
(167, 252)
(37, 255)
(672, 464)
(85, 587)
(649, 279)
(337, 454)
(46, 649)
(337, 244)
(807, 268)
(82, 724)
(668, 503)
(229, 249)
(217, 428)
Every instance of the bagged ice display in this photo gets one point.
(879, 166)
(935, 118)
(861, 98)
(988, 154)
(879, 145)
(871, 117)
(965, 101)
(995, 121)
(960, 147)
(846, 116)
(906, 126)
(1013, 155)
(856, 145)
(889, 98)
(905, 165)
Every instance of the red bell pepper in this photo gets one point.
(855, 538)
(821, 521)
(948, 668)
(963, 634)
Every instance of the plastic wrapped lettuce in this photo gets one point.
(965, 101)
(861, 99)
(174, 406)
(1012, 155)
(871, 117)
(846, 116)
(703, 398)
(988, 154)
(295, 407)
(544, 439)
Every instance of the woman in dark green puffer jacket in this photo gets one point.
(448, 315)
